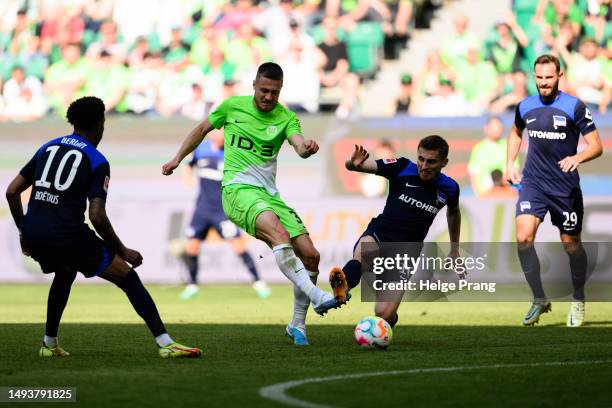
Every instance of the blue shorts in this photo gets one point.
(203, 221)
(381, 231)
(566, 213)
(85, 252)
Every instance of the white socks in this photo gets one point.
(163, 340)
(301, 303)
(291, 266)
(50, 341)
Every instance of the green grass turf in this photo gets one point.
(115, 362)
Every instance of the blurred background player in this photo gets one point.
(370, 184)
(255, 127)
(207, 160)
(65, 172)
(487, 156)
(550, 182)
(417, 192)
(501, 189)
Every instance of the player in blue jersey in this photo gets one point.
(64, 173)
(207, 160)
(417, 192)
(550, 183)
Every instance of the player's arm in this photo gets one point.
(303, 147)
(13, 196)
(514, 146)
(360, 161)
(453, 219)
(592, 150)
(103, 226)
(192, 141)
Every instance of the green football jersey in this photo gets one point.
(252, 140)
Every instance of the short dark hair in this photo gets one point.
(86, 112)
(435, 142)
(497, 176)
(548, 59)
(270, 70)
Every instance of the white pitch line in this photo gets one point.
(278, 392)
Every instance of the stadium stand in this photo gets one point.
(156, 62)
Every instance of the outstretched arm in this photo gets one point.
(360, 161)
(192, 141)
(303, 147)
(100, 221)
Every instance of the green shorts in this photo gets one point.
(243, 203)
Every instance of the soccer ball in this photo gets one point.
(373, 332)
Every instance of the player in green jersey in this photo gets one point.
(255, 128)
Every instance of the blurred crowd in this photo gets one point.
(181, 57)
(470, 76)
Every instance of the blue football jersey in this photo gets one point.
(412, 204)
(64, 173)
(208, 163)
(554, 130)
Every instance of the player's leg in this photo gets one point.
(56, 303)
(191, 260)
(306, 250)
(259, 214)
(531, 208)
(526, 228)
(126, 278)
(195, 233)
(388, 311)
(308, 254)
(352, 269)
(578, 266)
(567, 214)
(269, 229)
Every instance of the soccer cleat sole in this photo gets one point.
(337, 306)
(186, 353)
(536, 320)
(337, 281)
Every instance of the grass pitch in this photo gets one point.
(114, 360)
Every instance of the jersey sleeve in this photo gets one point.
(390, 168)
(453, 199)
(28, 171)
(99, 182)
(218, 116)
(583, 119)
(294, 127)
(519, 123)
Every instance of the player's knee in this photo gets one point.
(124, 281)
(524, 238)
(311, 258)
(572, 248)
(64, 277)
